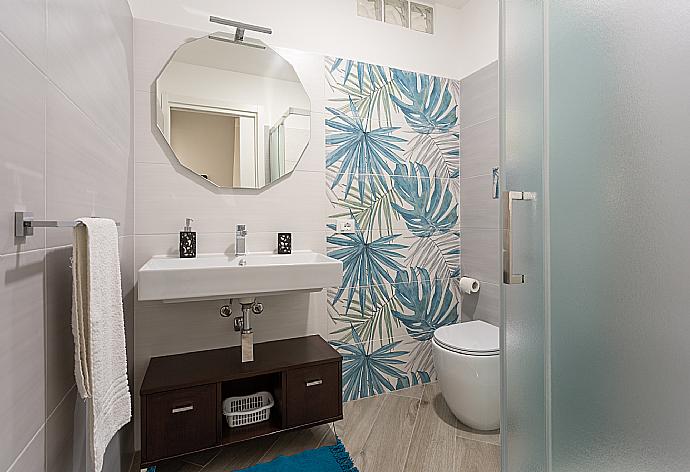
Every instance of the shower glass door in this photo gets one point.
(596, 113)
(524, 381)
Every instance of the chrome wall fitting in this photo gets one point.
(240, 29)
(226, 310)
(24, 224)
(241, 241)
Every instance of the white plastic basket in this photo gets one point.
(241, 411)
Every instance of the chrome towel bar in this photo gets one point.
(24, 224)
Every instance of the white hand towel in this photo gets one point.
(100, 356)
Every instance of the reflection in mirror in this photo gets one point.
(234, 114)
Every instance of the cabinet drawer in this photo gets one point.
(313, 394)
(180, 421)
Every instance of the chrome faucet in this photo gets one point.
(241, 240)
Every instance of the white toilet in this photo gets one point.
(467, 361)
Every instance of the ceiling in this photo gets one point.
(452, 3)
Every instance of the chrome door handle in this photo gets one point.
(508, 199)
(314, 383)
(182, 409)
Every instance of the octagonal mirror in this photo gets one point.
(235, 114)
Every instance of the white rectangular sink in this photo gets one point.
(215, 276)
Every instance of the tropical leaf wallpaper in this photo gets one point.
(392, 165)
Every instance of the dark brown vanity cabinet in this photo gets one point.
(184, 421)
(182, 395)
(312, 393)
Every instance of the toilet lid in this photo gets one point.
(475, 338)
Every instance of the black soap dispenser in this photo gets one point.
(188, 241)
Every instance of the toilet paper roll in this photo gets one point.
(469, 285)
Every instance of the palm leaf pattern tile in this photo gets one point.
(373, 212)
(367, 373)
(360, 154)
(421, 358)
(439, 152)
(439, 254)
(365, 263)
(392, 164)
(412, 379)
(430, 308)
(369, 87)
(374, 323)
(430, 205)
(427, 103)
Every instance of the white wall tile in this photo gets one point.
(78, 53)
(22, 398)
(22, 145)
(58, 326)
(480, 212)
(150, 145)
(23, 23)
(166, 195)
(313, 159)
(87, 173)
(66, 435)
(479, 96)
(484, 305)
(479, 149)
(129, 297)
(33, 458)
(481, 249)
(89, 58)
(155, 43)
(478, 207)
(118, 455)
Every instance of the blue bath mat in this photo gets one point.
(324, 459)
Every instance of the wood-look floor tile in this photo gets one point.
(434, 435)
(294, 442)
(330, 438)
(412, 392)
(476, 456)
(386, 448)
(391, 432)
(241, 456)
(491, 437)
(358, 419)
(201, 458)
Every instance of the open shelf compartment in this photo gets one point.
(272, 383)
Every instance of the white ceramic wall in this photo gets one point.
(65, 152)
(464, 39)
(479, 211)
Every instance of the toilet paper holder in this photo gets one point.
(469, 285)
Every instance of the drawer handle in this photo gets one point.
(314, 383)
(182, 409)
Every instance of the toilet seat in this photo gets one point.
(473, 338)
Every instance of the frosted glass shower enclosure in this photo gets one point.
(596, 341)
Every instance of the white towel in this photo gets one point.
(100, 356)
